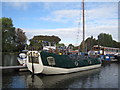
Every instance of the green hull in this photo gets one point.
(65, 61)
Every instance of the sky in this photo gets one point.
(63, 19)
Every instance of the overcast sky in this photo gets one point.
(62, 18)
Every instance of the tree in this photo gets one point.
(105, 40)
(11, 39)
(53, 38)
(36, 41)
(35, 44)
(118, 45)
(21, 39)
(60, 44)
(8, 35)
(89, 43)
(7, 23)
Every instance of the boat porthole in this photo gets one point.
(51, 60)
(76, 63)
(89, 62)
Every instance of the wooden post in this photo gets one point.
(32, 64)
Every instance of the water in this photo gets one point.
(104, 77)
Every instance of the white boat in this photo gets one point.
(49, 63)
(22, 58)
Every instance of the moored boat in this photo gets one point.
(50, 63)
(22, 58)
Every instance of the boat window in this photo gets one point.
(35, 59)
(106, 50)
(51, 60)
(52, 44)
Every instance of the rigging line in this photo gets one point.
(79, 24)
(78, 34)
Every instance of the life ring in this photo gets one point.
(76, 63)
(89, 62)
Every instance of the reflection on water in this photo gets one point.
(65, 81)
(104, 77)
(9, 60)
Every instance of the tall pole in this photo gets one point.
(83, 27)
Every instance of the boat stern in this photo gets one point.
(34, 62)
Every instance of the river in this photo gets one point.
(104, 77)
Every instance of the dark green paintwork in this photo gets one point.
(64, 61)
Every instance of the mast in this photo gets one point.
(83, 48)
